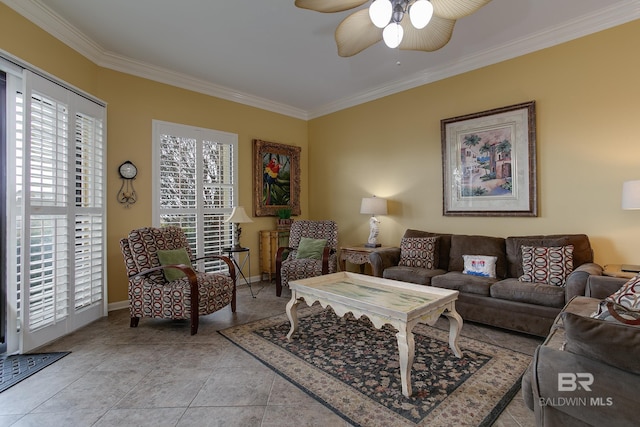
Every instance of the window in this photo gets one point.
(195, 185)
(55, 243)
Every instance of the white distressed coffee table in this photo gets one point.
(399, 304)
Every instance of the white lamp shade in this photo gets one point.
(420, 13)
(373, 206)
(380, 13)
(392, 35)
(631, 195)
(238, 216)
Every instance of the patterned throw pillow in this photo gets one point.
(480, 265)
(550, 265)
(418, 252)
(623, 305)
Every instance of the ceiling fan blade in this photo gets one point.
(456, 9)
(432, 37)
(329, 6)
(356, 33)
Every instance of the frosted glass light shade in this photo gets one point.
(420, 13)
(392, 35)
(631, 195)
(380, 12)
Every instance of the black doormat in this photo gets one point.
(17, 367)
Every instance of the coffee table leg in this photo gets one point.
(292, 314)
(455, 326)
(406, 349)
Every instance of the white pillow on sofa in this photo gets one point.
(480, 265)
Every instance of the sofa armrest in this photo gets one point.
(577, 280)
(609, 400)
(382, 259)
(601, 287)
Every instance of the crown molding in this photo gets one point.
(578, 27)
(49, 21)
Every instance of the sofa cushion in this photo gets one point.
(612, 343)
(421, 276)
(444, 245)
(458, 281)
(530, 293)
(419, 252)
(477, 245)
(550, 265)
(480, 265)
(623, 305)
(514, 250)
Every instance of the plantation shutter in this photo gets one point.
(196, 185)
(60, 181)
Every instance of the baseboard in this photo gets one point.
(118, 305)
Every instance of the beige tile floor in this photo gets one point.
(159, 375)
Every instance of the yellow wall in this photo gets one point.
(587, 107)
(132, 104)
(587, 101)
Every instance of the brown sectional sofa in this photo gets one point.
(602, 354)
(503, 301)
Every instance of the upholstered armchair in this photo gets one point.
(163, 282)
(312, 251)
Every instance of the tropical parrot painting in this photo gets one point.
(276, 189)
(276, 172)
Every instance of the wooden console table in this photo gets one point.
(358, 255)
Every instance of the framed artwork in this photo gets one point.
(276, 178)
(489, 162)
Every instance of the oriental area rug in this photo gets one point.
(353, 368)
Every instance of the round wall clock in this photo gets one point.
(128, 170)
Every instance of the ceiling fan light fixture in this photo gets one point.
(380, 12)
(420, 13)
(392, 35)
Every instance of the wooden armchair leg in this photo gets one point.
(134, 322)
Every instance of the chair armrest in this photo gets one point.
(382, 259)
(577, 280)
(611, 400)
(226, 260)
(601, 287)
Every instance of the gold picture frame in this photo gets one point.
(276, 178)
(489, 162)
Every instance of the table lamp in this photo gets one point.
(238, 216)
(373, 206)
(631, 201)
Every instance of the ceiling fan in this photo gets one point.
(429, 28)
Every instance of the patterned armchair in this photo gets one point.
(152, 295)
(290, 267)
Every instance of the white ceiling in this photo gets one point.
(272, 55)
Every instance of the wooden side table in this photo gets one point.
(358, 255)
(615, 270)
(270, 241)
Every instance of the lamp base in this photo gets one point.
(372, 245)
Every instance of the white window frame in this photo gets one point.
(78, 264)
(211, 235)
